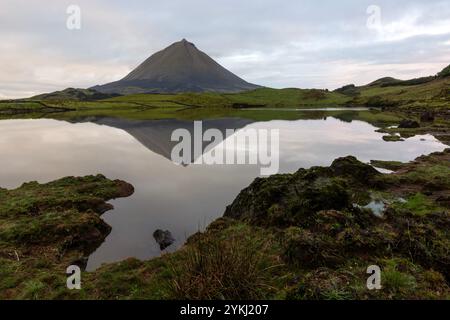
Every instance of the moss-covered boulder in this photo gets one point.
(292, 199)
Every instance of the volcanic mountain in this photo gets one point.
(181, 67)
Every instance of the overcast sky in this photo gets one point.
(290, 43)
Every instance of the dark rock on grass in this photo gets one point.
(352, 168)
(427, 116)
(163, 238)
(408, 124)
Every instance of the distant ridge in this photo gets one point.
(389, 81)
(181, 67)
(74, 94)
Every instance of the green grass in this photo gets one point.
(419, 204)
(237, 266)
(157, 106)
(398, 283)
(286, 98)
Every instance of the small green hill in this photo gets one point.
(445, 72)
(74, 94)
(349, 90)
(384, 81)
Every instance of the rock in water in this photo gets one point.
(163, 238)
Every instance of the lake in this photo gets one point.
(182, 199)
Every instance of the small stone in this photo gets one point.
(163, 238)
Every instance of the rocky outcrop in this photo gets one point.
(286, 199)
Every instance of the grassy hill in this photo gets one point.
(73, 94)
(430, 95)
(425, 93)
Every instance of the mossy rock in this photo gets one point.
(302, 194)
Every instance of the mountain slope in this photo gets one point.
(181, 67)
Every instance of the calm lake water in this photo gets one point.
(182, 199)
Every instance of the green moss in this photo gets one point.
(418, 204)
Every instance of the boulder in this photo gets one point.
(163, 238)
(288, 199)
(350, 166)
(408, 124)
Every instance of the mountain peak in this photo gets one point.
(183, 42)
(180, 67)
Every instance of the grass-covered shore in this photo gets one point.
(44, 228)
(306, 235)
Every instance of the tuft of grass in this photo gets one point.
(396, 282)
(32, 289)
(221, 269)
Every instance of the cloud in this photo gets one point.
(293, 44)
